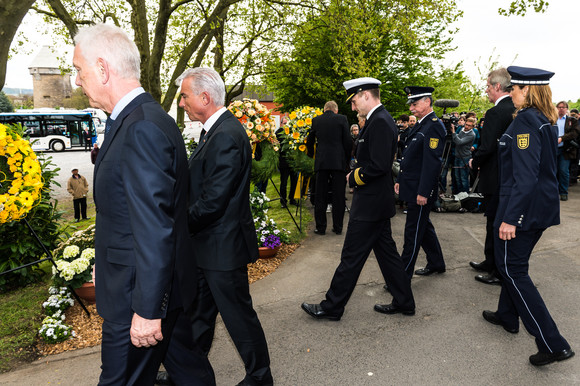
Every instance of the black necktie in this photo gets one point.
(108, 125)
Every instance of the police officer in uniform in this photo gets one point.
(417, 182)
(373, 205)
(528, 204)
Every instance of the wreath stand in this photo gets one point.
(53, 263)
(300, 197)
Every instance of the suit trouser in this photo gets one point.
(338, 203)
(420, 233)
(80, 207)
(491, 201)
(228, 293)
(519, 296)
(124, 364)
(286, 172)
(362, 237)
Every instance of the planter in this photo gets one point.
(87, 292)
(267, 253)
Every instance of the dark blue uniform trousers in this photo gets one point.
(362, 237)
(420, 233)
(519, 296)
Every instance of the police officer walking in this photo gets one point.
(373, 205)
(528, 204)
(417, 182)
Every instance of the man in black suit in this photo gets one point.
(497, 120)
(373, 205)
(141, 238)
(221, 224)
(333, 147)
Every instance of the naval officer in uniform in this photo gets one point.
(417, 182)
(528, 204)
(373, 205)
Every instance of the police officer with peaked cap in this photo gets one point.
(373, 205)
(417, 182)
(528, 204)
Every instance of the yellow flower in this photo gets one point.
(295, 135)
(286, 130)
(292, 115)
(300, 123)
(308, 121)
(238, 114)
(305, 110)
(302, 148)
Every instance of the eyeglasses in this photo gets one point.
(562, 107)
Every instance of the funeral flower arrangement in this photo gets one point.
(295, 133)
(74, 266)
(53, 328)
(267, 231)
(20, 176)
(260, 128)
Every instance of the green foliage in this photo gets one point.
(78, 100)
(300, 162)
(18, 246)
(267, 164)
(395, 42)
(5, 103)
(520, 7)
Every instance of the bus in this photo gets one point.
(55, 130)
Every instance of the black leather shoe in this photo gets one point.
(294, 202)
(492, 318)
(390, 309)
(481, 267)
(488, 279)
(163, 378)
(337, 231)
(544, 358)
(319, 232)
(386, 287)
(428, 271)
(316, 311)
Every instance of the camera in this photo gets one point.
(449, 121)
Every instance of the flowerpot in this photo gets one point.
(87, 292)
(267, 253)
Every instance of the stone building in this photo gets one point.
(51, 86)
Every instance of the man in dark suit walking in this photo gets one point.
(221, 224)
(141, 238)
(333, 147)
(373, 205)
(497, 120)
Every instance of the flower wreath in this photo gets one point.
(259, 125)
(20, 176)
(295, 133)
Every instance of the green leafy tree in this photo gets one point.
(78, 100)
(5, 103)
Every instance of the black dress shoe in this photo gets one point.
(481, 267)
(316, 311)
(319, 232)
(492, 318)
(428, 271)
(163, 378)
(488, 279)
(544, 358)
(337, 231)
(390, 309)
(293, 202)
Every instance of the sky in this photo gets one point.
(548, 41)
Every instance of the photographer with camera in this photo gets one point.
(463, 140)
(568, 132)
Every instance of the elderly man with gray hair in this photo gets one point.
(141, 241)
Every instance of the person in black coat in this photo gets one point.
(528, 205)
(497, 120)
(285, 172)
(221, 224)
(373, 205)
(331, 160)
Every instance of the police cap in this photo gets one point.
(415, 93)
(354, 86)
(527, 75)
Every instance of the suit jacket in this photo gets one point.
(421, 161)
(374, 197)
(497, 120)
(220, 219)
(140, 192)
(528, 190)
(334, 143)
(571, 133)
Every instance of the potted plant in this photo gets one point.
(270, 238)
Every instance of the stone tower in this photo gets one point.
(51, 87)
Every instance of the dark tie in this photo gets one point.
(108, 125)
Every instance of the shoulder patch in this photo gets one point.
(523, 141)
(433, 142)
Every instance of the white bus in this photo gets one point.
(55, 131)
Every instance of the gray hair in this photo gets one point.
(113, 45)
(501, 76)
(205, 79)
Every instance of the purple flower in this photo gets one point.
(272, 241)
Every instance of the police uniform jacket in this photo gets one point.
(528, 191)
(334, 143)
(373, 198)
(421, 161)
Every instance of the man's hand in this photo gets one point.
(471, 163)
(145, 332)
(421, 200)
(347, 176)
(396, 187)
(507, 231)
